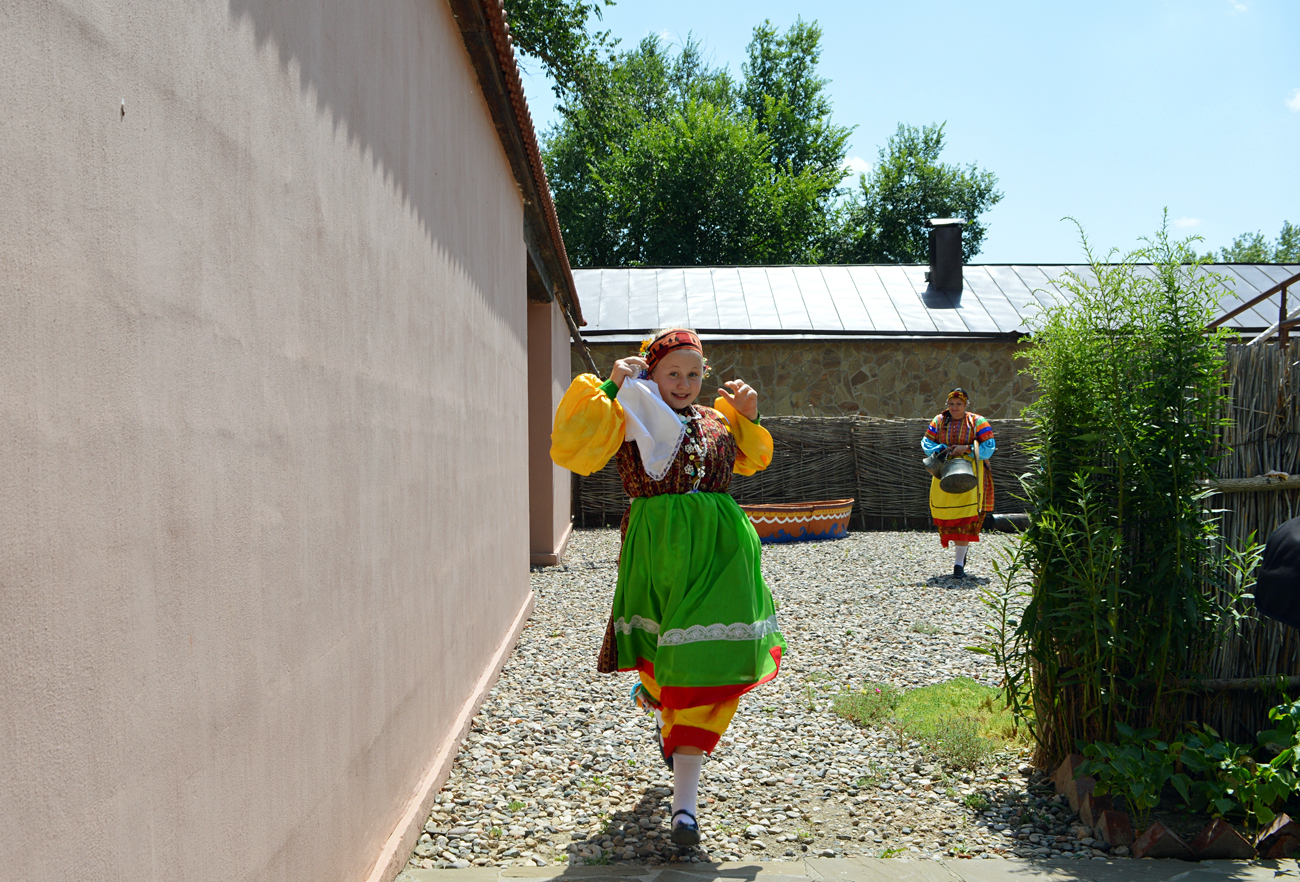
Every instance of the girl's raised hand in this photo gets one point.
(742, 397)
(632, 366)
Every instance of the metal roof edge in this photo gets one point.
(775, 336)
(730, 266)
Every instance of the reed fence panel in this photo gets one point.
(875, 461)
(1263, 434)
(892, 482)
(812, 458)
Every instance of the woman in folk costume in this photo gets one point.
(691, 612)
(960, 516)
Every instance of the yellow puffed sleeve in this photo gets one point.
(753, 442)
(588, 426)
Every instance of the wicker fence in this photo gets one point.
(875, 461)
(1263, 435)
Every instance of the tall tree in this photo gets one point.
(1254, 248)
(884, 222)
(555, 33)
(660, 159)
(698, 188)
(784, 94)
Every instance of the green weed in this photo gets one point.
(870, 706)
(871, 777)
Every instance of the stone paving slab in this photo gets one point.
(864, 869)
(1126, 871)
(890, 870)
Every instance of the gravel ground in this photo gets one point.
(559, 767)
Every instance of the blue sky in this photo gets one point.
(1104, 111)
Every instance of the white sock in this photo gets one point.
(686, 781)
(961, 555)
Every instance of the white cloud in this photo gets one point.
(1238, 5)
(856, 165)
(1184, 223)
(1294, 101)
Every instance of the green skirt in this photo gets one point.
(691, 608)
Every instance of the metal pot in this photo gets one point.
(934, 463)
(958, 476)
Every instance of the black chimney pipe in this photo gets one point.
(945, 254)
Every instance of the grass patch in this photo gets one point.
(976, 801)
(962, 721)
(871, 706)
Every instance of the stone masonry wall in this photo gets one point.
(895, 379)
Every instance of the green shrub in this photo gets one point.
(1216, 776)
(1120, 548)
(1233, 779)
(1137, 768)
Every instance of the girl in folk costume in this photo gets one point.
(960, 516)
(691, 612)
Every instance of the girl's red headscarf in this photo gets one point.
(671, 341)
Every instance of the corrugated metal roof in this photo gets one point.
(765, 302)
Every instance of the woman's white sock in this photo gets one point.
(686, 781)
(961, 555)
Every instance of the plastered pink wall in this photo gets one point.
(562, 495)
(549, 485)
(261, 425)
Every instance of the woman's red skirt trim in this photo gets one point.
(960, 530)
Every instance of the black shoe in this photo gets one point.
(958, 571)
(687, 833)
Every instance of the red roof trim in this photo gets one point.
(487, 37)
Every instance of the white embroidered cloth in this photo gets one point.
(652, 424)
